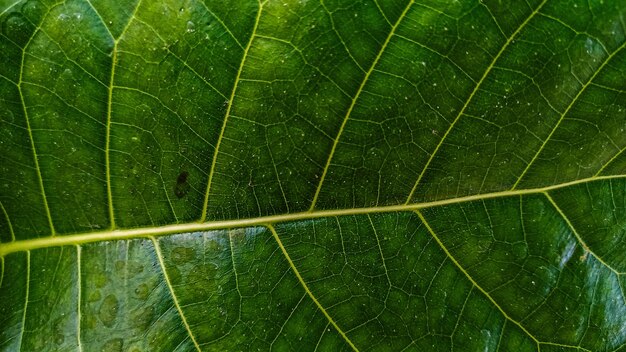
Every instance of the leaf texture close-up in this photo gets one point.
(312, 175)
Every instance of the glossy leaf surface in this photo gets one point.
(385, 175)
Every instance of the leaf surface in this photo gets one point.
(312, 175)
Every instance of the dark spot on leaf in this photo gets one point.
(143, 317)
(142, 291)
(134, 268)
(113, 345)
(94, 296)
(182, 177)
(182, 187)
(182, 255)
(59, 339)
(100, 279)
(17, 27)
(108, 310)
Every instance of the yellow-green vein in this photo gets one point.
(282, 326)
(565, 112)
(617, 155)
(484, 292)
(232, 259)
(106, 28)
(30, 130)
(146, 232)
(25, 299)
(321, 335)
(78, 296)
(380, 250)
(353, 103)
(501, 334)
(382, 12)
(6, 215)
(227, 114)
(458, 318)
(107, 146)
(471, 96)
(219, 20)
(343, 43)
(467, 275)
(168, 283)
(577, 235)
(306, 287)
(8, 8)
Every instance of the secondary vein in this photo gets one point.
(227, 115)
(565, 112)
(107, 147)
(308, 291)
(353, 103)
(471, 96)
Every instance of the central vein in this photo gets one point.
(146, 232)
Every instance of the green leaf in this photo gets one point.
(386, 175)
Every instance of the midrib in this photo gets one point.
(146, 232)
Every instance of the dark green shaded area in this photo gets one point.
(13, 291)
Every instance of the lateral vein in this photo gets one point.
(562, 117)
(471, 96)
(168, 283)
(353, 103)
(307, 290)
(111, 86)
(227, 115)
